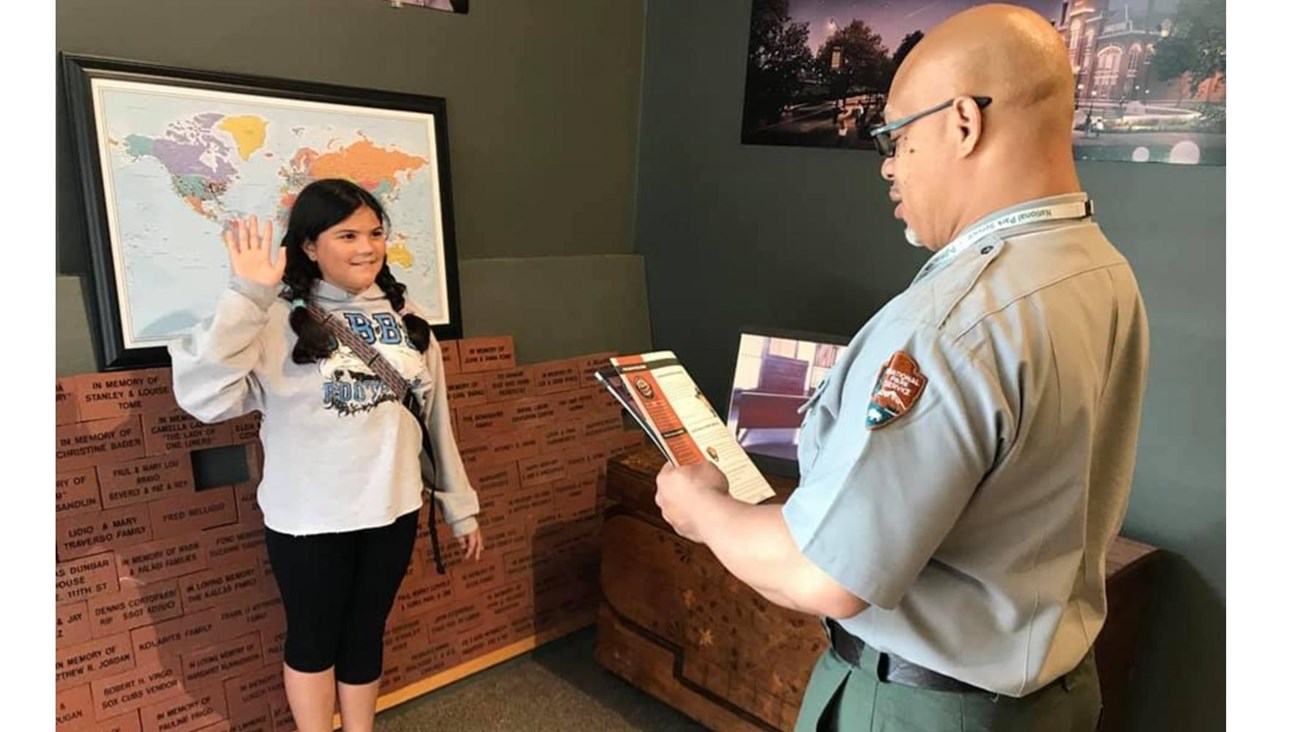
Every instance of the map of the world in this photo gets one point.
(180, 164)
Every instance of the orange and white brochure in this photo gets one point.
(669, 406)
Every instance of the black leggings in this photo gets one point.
(337, 590)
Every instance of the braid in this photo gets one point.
(416, 327)
(314, 340)
(317, 207)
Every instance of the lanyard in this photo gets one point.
(1079, 208)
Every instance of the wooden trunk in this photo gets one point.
(675, 623)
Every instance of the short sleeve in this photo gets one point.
(898, 467)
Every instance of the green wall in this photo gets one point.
(542, 103)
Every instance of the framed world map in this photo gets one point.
(167, 158)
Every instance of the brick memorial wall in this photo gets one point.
(168, 616)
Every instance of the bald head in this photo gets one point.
(1005, 52)
(954, 165)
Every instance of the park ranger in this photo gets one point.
(967, 462)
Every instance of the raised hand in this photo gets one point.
(252, 251)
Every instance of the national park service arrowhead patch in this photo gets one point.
(898, 387)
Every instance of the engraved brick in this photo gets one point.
(509, 599)
(599, 426)
(266, 613)
(71, 624)
(474, 579)
(589, 364)
(188, 514)
(436, 657)
(467, 390)
(491, 353)
(533, 501)
(129, 722)
(482, 421)
(554, 377)
(584, 459)
(492, 511)
(509, 385)
(404, 635)
(224, 585)
(80, 579)
(95, 659)
(494, 478)
(522, 625)
(575, 496)
(137, 481)
(571, 405)
(65, 399)
(222, 660)
(247, 510)
(253, 718)
(272, 646)
(506, 534)
(136, 605)
(533, 413)
(619, 444)
(92, 533)
(159, 560)
(424, 594)
(511, 447)
(561, 436)
(147, 684)
(391, 678)
(282, 718)
(122, 393)
(475, 451)
(246, 428)
(177, 431)
(254, 690)
(475, 642)
(84, 444)
(450, 357)
(76, 492)
(158, 642)
(73, 708)
(189, 712)
(234, 544)
(546, 468)
(447, 621)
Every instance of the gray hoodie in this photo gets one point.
(342, 453)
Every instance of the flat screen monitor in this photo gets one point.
(776, 372)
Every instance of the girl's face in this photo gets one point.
(351, 253)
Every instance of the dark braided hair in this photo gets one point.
(319, 206)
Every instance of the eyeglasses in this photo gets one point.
(883, 135)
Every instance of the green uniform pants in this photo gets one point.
(845, 698)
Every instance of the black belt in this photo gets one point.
(892, 668)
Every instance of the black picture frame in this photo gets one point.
(454, 6)
(77, 75)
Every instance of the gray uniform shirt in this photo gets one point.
(968, 461)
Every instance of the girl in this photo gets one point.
(342, 483)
